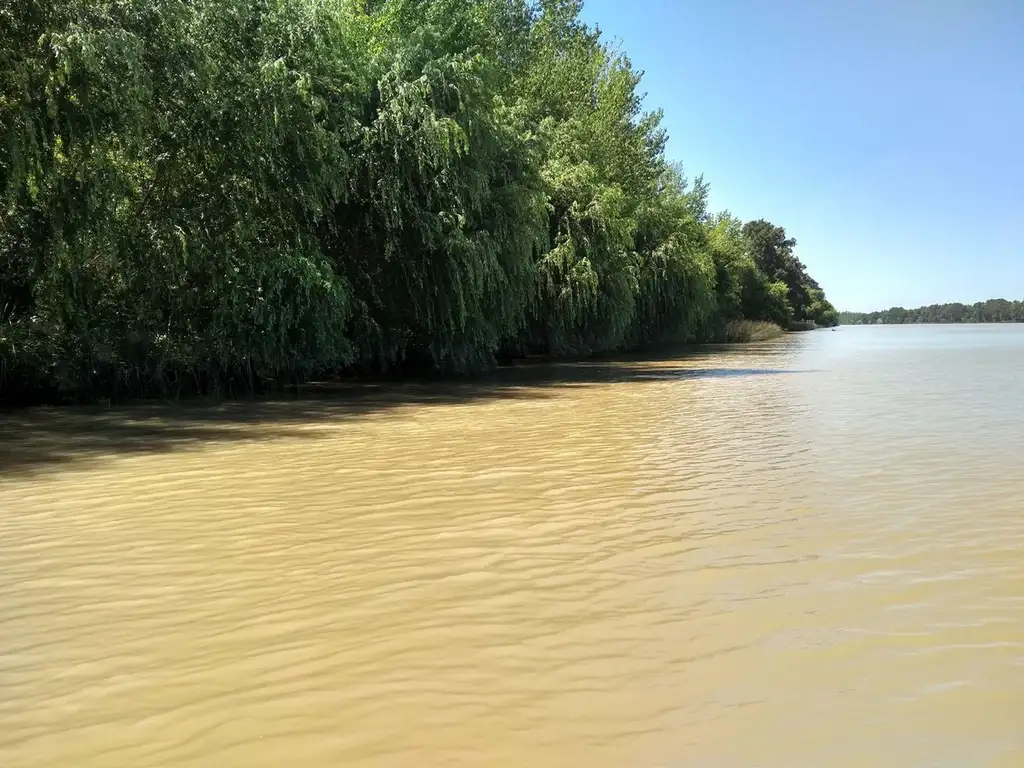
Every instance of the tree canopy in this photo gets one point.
(222, 195)
(991, 311)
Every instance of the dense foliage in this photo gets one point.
(991, 311)
(221, 195)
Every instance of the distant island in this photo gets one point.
(991, 311)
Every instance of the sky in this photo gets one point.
(886, 136)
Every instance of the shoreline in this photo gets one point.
(754, 332)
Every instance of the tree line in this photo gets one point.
(991, 311)
(223, 195)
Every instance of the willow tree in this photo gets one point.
(439, 233)
(152, 144)
(611, 236)
(676, 297)
(200, 195)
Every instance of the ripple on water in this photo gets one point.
(615, 564)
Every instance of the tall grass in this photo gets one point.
(745, 331)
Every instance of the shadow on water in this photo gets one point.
(48, 439)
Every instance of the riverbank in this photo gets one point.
(991, 311)
(28, 392)
(43, 437)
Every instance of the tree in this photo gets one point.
(991, 311)
(221, 196)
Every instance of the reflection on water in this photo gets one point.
(798, 553)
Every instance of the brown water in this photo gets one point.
(809, 552)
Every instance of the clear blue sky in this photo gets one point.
(887, 136)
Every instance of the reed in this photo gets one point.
(746, 331)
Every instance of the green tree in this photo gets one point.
(219, 196)
(991, 311)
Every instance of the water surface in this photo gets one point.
(807, 552)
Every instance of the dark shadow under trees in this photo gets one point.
(42, 439)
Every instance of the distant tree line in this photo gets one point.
(991, 311)
(225, 195)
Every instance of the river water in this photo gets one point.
(805, 552)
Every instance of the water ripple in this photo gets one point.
(621, 563)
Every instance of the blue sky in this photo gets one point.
(886, 136)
